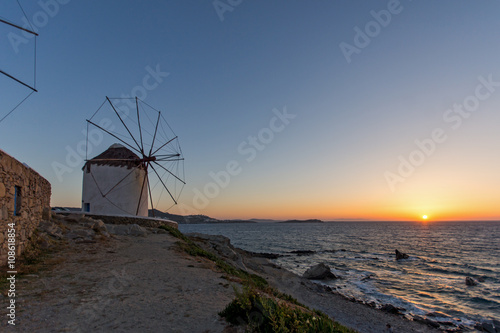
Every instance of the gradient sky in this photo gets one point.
(352, 121)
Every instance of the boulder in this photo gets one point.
(218, 243)
(319, 272)
(401, 255)
(497, 325)
(51, 229)
(136, 230)
(470, 281)
(100, 227)
(390, 308)
(117, 229)
(126, 230)
(485, 327)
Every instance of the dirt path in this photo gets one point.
(128, 284)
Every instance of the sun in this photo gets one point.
(424, 217)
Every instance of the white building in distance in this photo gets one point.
(115, 183)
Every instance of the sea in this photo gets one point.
(430, 283)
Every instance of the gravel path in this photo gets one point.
(127, 284)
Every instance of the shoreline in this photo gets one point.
(145, 281)
(348, 312)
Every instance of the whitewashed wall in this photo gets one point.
(123, 199)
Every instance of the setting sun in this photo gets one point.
(424, 217)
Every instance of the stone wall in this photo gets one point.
(148, 222)
(33, 201)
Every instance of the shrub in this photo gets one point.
(262, 313)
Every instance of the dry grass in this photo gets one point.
(36, 257)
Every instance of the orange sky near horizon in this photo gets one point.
(398, 209)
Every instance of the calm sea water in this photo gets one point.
(442, 255)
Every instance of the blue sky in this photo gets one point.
(225, 77)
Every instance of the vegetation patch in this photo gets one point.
(264, 313)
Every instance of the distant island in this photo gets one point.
(303, 221)
(203, 219)
(198, 219)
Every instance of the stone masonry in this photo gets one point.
(24, 201)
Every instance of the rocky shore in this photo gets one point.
(132, 278)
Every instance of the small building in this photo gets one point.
(115, 183)
(24, 202)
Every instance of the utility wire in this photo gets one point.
(16, 106)
(34, 61)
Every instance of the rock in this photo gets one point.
(368, 277)
(136, 230)
(303, 252)
(82, 233)
(488, 327)
(371, 304)
(100, 227)
(470, 281)
(401, 255)
(126, 230)
(50, 229)
(89, 225)
(73, 218)
(485, 327)
(117, 229)
(218, 243)
(496, 323)
(44, 241)
(390, 308)
(431, 323)
(319, 272)
(426, 321)
(264, 255)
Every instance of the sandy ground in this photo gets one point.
(129, 284)
(145, 284)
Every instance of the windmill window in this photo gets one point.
(17, 200)
(86, 207)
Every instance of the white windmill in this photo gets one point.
(143, 166)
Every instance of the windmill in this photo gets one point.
(143, 165)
